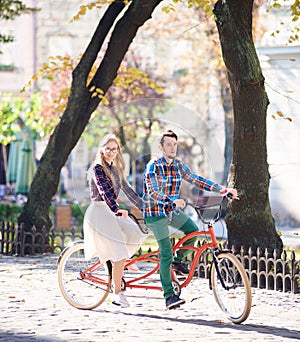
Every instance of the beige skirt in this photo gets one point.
(107, 236)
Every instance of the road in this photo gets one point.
(32, 309)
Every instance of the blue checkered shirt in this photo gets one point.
(162, 183)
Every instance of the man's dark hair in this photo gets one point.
(168, 133)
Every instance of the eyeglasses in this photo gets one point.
(113, 150)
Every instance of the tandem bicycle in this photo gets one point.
(85, 284)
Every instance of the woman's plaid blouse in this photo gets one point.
(104, 189)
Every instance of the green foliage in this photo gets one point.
(10, 213)
(78, 213)
(8, 120)
(10, 9)
(129, 85)
(16, 110)
(131, 118)
(6, 39)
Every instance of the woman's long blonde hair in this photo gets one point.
(119, 162)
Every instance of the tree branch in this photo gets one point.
(83, 68)
(137, 14)
(81, 105)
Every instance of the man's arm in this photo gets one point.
(201, 182)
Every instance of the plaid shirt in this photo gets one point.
(102, 188)
(162, 184)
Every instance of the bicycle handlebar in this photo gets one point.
(204, 206)
(201, 208)
(218, 205)
(143, 228)
(172, 207)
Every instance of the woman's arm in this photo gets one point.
(105, 188)
(133, 197)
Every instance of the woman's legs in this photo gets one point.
(117, 274)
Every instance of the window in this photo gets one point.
(60, 45)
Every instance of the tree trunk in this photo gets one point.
(249, 221)
(81, 105)
(228, 122)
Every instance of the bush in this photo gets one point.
(78, 213)
(10, 212)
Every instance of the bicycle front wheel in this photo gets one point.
(231, 287)
(83, 284)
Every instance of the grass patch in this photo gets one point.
(149, 244)
(297, 253)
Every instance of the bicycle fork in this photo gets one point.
(216, 263)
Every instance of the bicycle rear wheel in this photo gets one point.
(83, 284)
(231, 287)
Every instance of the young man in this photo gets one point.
(162, 180)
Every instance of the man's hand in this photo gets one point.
(233, 192)
(180, 203)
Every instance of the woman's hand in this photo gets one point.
(180, 203)
(122, 213)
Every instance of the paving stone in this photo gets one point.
(32, 309)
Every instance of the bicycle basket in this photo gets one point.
(209, 208)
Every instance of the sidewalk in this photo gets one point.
(32, 309)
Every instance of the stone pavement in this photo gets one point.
(32, 309)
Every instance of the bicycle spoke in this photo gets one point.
(231, 287)
(84, 284)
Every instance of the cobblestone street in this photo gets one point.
(32, 309)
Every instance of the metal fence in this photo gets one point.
(14, 240)
(273, 271)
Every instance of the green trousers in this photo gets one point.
(159, 226)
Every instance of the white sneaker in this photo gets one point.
(120, 300)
